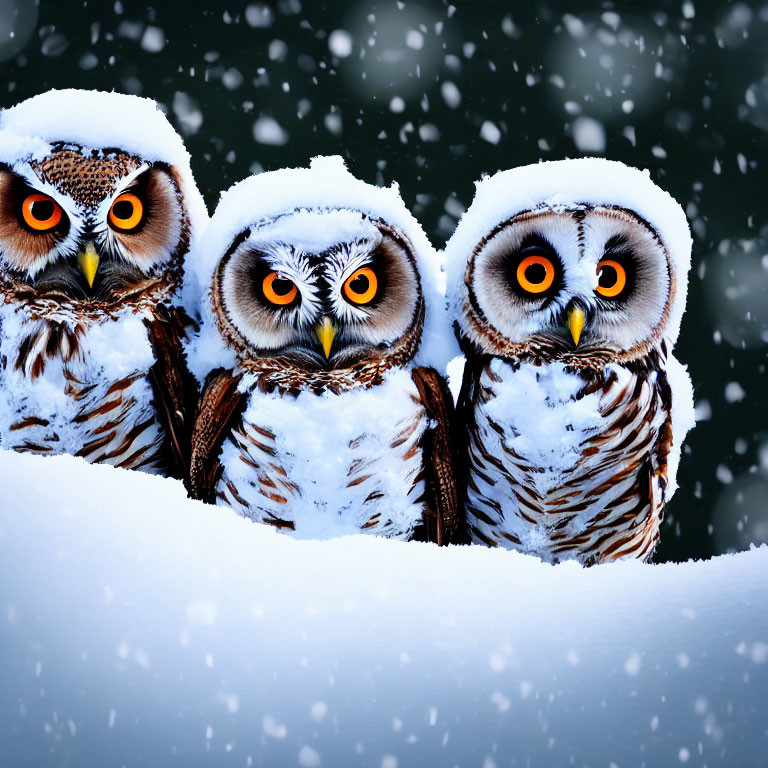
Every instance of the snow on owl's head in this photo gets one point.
(571, 268)
(94, 206)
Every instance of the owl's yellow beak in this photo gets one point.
(325, 332)
(89, 263)
(576, 321)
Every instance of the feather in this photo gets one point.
(174, 387)
(444, 521)
(220, 405)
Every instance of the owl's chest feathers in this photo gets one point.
(79, 389)
(562, 463)
(329, 465)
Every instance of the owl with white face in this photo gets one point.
(568, 287)
(97, 210)
(316, 417)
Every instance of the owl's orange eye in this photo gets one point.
(361, 286)
(278, 289)
(126, 212)
(40, 212)
(535, 274)
(611, 278)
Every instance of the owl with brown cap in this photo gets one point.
(568, 282)
(98, 208)
(320, 415)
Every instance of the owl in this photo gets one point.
(98, 207)
(317, 415)
(567, 284)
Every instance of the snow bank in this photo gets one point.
(141, 628)
(98, 120)
(259, 201)
(567, 183)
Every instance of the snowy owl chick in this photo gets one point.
(317, 416)
(568, 282)
(97, 210)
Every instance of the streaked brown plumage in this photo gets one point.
(608, 505)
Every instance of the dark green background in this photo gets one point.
(694, 72)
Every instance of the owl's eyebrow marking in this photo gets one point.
(618, 245)
(236, 243)
(536, 240)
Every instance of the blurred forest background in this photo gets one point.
(435, 94)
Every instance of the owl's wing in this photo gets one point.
(658, 464)
(444, 518)
(220, 405)
(466, 430)
(665, 437)
(174, 387)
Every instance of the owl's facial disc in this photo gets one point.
(323, 310)
(568, 283)
(81, 227)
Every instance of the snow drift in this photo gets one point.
(141, 628)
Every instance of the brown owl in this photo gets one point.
(318, 416)
(568, 283)
(97, 210)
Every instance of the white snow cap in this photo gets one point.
(99, 120)
(562, 184)
(327, 185)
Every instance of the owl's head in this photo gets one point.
(314, 276)
(97, 205)
(582, 261)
